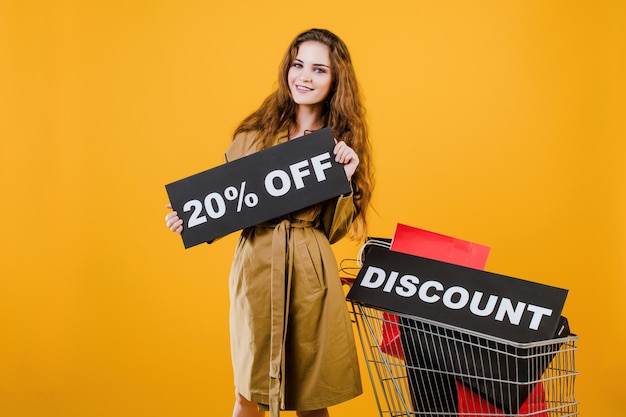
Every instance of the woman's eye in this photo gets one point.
(320, 70)
(297, 65)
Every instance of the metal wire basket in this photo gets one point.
(423, 368)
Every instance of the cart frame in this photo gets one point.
(435, 369)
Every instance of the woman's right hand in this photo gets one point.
(173, 222)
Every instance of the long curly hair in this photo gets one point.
(344, 113)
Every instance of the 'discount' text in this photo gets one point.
(455, 297)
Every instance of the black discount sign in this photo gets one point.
(259, 187)
(509, 308)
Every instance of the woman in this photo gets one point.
(291, 338)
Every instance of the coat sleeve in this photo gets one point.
(243, 145)
(337, 218)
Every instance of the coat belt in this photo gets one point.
(280, 293)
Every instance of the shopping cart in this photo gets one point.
(418, 367)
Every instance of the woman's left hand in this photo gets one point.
(346, 156)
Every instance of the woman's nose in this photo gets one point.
(305, 76)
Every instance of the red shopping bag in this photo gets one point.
(419, 242)
(390, 342)
(472, 404)
(439, 247)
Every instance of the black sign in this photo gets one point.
(259, 187)
(497, 305)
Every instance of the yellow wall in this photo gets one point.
(500, 122)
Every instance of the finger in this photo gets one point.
(339, 146)
(168, 205)
(345, 155)
(339, 149)
(176, 225)
(172, 220)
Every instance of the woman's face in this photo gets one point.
(310, 76)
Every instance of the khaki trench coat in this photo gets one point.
(292, 343)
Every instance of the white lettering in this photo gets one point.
(455, 297)
(475, 304)
(463, 299)
(297, 173)
(391, 281)
(423, 292)
(506, 309)
(284, 180)
(319, 167)
(371, 272)
(408, 286)
(538, 313)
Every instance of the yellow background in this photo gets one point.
(500, 122)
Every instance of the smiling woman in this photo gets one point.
(310, 75)
(291, 338)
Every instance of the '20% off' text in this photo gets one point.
(277, 184)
